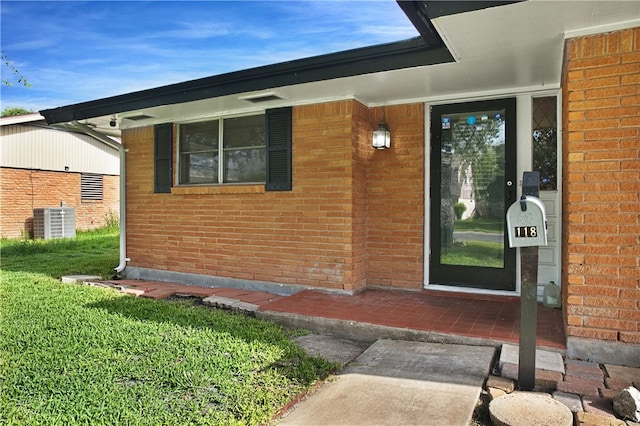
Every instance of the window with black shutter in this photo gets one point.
(162, 157)
(251, 149)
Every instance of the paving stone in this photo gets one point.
(502, 383)
(246, 307)
(548, 378)
(79, 279)
(577, 364)
(160, 293)
(218, 301)
(194, 291)
(509, 370)
(529, 408)
(545, 380)
(598, 405)
(573, 379)
(495, 393)
(545, 360)
(590, 374)
(579, 387)
(609, 393)
(617, 383)
(133, 291)
(622, 372)
(228, 303)
(592, 419)
(554, 376)
(572, 401)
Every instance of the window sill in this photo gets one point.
(219, 189)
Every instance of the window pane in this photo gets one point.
(545, 141)
(241, 148)
(197, 137)
(244, 132)
(472, 180)
(245, 165)
(199, 168)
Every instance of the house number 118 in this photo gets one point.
(526, 231)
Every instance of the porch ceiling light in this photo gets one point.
(382, 136)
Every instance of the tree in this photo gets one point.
(474, 148)
(11, 111)
(472, 151)
(14, 72)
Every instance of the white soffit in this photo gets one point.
(521, 44)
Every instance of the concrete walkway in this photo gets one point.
(400, 383)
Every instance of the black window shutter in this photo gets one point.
(163, 146)
(279, 149)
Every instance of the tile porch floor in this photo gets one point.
(489, 317)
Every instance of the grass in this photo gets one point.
(474, 253)
(90, 253)
(73, 354)
(492, 226)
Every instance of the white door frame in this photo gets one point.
(524, 160)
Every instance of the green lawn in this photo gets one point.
(90, 253)
(72, 354)
(474, 253)
(493, 226)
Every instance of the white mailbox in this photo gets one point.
(527, 223)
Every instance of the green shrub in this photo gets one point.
(459, 208)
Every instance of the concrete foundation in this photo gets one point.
(604, 352)
(135, 273)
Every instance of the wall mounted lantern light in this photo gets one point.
(381, 136)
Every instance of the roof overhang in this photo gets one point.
(369, 60)
(465, 49)
(21, 119)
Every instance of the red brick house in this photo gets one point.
(44, 167)
(267, 178)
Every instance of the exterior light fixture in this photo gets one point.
(381, 136)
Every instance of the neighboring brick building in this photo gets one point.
(43, 167)
(273, 183)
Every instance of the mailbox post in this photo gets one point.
(527, 229)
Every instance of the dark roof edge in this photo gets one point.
(437, 8)
(417, 13)
(384, 57)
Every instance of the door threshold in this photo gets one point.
(471, 292)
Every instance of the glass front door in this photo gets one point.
(473, 182)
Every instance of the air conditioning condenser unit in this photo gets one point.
(54, 222)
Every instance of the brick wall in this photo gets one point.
(395, 185)
(303, 236)
(23, 190)
(601, 159)
(320, 234)
(361, 134)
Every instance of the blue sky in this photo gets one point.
(73, 52)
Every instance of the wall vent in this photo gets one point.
(54, 222)
(262, 97)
